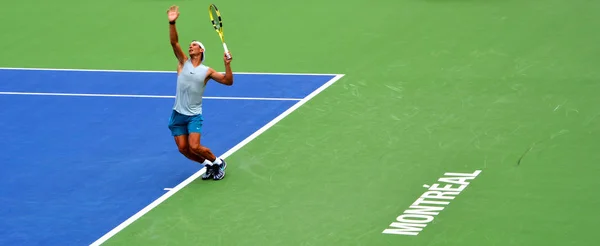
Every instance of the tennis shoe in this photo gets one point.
(209, 172)
(219, 170)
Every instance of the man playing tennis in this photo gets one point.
(186, 118)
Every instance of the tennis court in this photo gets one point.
(412, 122)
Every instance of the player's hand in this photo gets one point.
(173, 13)
(227, 61)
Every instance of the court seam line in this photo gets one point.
(150, 71)
(194, 176)
(143, 96)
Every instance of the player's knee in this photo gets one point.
(183, 148)
(197, 148)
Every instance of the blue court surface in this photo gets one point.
(82, 151)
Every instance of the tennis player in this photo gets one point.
(186, 118)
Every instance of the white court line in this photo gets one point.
(156, 202)
(148, 71)
(142, 96)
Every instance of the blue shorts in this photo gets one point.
(180, 124)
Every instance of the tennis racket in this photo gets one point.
(217, 22)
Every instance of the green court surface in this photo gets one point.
(430, 87)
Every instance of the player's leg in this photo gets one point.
(217, 165)
(213, 164)
(184, 148)
(178, 124)
(199, 149)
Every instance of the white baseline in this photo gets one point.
(147, 71)
(145, 96)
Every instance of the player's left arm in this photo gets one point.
(227, 77)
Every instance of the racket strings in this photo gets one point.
(215, 17)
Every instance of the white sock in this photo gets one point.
(207, 162)
(217, 161)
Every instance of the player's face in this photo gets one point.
(195, 49)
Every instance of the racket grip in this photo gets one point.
(226, 51)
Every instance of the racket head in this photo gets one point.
(215, 18)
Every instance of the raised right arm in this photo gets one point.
(173, 13)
